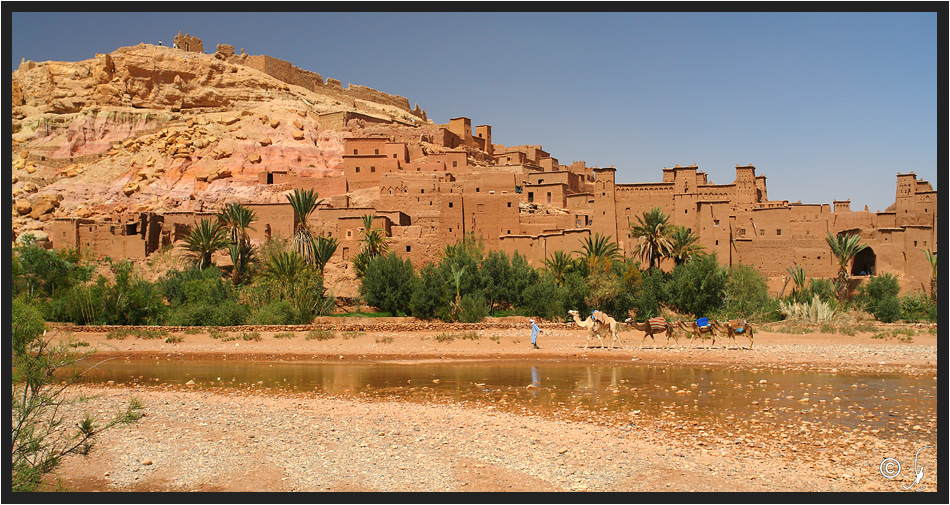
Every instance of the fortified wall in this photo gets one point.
(435, 184)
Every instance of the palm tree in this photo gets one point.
(683, 245)
(652, 236)
(203, 240)
(304, 203)
(238, 218)
(796, 274)
(599, 251)
(457, 277)
(932, 258)
(559, 265)
(374, 239)
(323, 250)
(374, 244)
(845, 248)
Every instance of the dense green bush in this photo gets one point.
(877, 292)
(888, 309)
(698, 286)
(387, 283)
(474, 307)
(917, 307)
(653, 292)
(544, 299)
(40, 272)
(226, 313)
(276, 313)
(824, 288)
(746, 294)
(430, 293)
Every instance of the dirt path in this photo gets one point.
(271, 440)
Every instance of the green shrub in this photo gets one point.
(429, 293)
(544, 299)
(746, 293)
(916, 307)
(824, 288)
(277, 313)
(474, 307)
(698, 287)
(174, 339)
(387, 283)
(877, 291)
(888, 310)
(227, 313)
(286, 334)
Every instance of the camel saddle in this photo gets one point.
(599, 316)
(702, 322)
(657, 323)
(737, 325)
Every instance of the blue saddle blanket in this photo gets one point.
(703, 321)
(741, 329)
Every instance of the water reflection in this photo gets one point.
(614, 393)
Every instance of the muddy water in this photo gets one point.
(729, 402)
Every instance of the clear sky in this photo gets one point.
(826, 105)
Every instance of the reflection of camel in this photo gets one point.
(598, 328)
(654, 326)
(735, 327)
(695, 330)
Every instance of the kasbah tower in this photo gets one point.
(430, 185)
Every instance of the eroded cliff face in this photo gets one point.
(156, 128)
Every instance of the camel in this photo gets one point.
(695, 330)
(735, 327)
(597, 327)
(653, 326)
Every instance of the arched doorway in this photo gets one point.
(865, 262)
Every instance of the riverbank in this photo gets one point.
(261, 439)
(912, 350)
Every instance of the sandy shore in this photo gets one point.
(272, 440)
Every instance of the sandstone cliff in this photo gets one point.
(158, 128)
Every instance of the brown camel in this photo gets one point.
(735, 327)
(654, 326)
(597, 328)
(694, 330)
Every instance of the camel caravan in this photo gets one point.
(602, 325)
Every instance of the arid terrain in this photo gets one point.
(260, 438)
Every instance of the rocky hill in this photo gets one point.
(158, 128)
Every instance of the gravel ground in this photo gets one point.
(254, 439)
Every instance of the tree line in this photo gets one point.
(281, 282)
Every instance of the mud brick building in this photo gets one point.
(451, 182)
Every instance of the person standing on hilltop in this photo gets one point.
(534, 333)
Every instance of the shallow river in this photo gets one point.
(728, 401)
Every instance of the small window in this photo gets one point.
(715, 222)
(372, 169)
(778, 232)
(357, 169)
(408, 248)
(762, 233)
(455, 164)
(450, 205)
(717, 242)
(355, 151)
(377, 151)
(422, 191)
(509, 204)
(915, 243)
(477, 190)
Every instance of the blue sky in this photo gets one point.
(825, 105)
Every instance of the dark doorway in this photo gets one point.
(864, 262)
